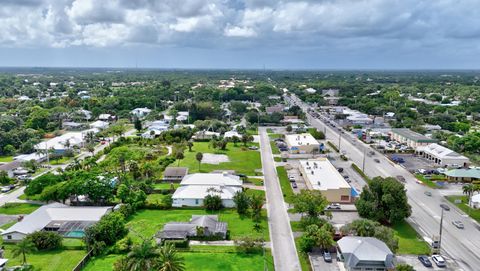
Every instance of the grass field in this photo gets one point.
(165, 185)
(255, 181)
(242, 160)
(426, 181)
(202, 258)
(154, 198)
(285, 184)
(55, 260)
(304, 261)
(6, 159)
(18, 208)
(8, 225)
(474, 213)
(148, 222)
(274, 147)
(409, 242)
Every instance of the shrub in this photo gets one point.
(249, 244)
(45, 240)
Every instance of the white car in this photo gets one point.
(5, 189)
(336, 206)
(439, 260)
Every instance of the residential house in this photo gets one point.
(205, 135)
(198, 226)
(274, 109)
(195, 187)
(73, 126)
(106, 117)
(99, 124)
(10, 167)
(66, 220)
(141, 112)
(365, 253)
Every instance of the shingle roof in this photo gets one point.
(179, 230)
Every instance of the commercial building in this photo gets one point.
(443, 156)
(66, 220)
(302, 143)
(466, 175)
(410, 138)
(320, 174)
(365, 253)
(195, 187)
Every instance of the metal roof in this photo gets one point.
(409, 134)
(464, 173)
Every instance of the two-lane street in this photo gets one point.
(283, 245)
(461, 245)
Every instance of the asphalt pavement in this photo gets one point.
(283, 245)
(462, 246)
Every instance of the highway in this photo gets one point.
(462, 246)
(283, 245)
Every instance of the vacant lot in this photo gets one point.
(147, 222)
(241, 159)
(408, 240)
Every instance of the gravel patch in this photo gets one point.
(214, 159)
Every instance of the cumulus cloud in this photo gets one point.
(93, 23)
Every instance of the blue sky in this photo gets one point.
(291, 34)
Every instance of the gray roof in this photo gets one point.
(181, 230)
(175, 171)
(365, 251)
(10, 166)
(58, 213)
(407, 133)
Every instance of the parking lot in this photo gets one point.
(319, 263)
(413, 162)
(418, 266)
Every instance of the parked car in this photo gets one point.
(458, 224)
(445, 207)
(428, 193)
(401, 178)
(253, 148)
(294, 185)
(340, 169)
(327, 257)
(425, 261)
(291, 179)
(439, 260)
(335, 206)
(5, 189)
(376, 160)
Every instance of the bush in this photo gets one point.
(178, 243)
(37, 185)
(249, 244)
(45, 240)
(332, 146)
(105, 232)
(122, 246)
(212, 203)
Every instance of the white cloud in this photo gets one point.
(236, 31)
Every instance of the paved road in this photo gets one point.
(283, 246)
(463, 246)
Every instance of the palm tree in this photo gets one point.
(199, 158)
(142, 257)
(468, 190)
(22, 248)
(169, 259)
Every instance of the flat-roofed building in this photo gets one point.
(467, 175)
(302, 143)
(411, 138)
(320, 174)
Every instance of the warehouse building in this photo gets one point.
(410, 138)
(443, 156)
(320, 174)
(302, 143)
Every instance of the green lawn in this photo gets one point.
(409, 242)
(242, 160)
(6, 159)
(304, 261)
(474, 213)
(55, 260)
(165, 185)
(255, 181)
(426, 181)
(285, 184)
(296, 226)
(274, 147)
(255, 191)
(202, 258)
(72, 242)
(18, 208)
(252, 131)
(148, 222)
(61, 161)
(277, 159)
(154, 198)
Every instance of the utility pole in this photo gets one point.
(440, 237)
(363, 164)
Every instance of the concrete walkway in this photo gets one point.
(285, 255)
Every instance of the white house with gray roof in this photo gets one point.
(66, 220)
(209, 225)
(365, 253)
(195, 187)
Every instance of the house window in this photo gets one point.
(344, 198)
(196, 201)
(9, 237)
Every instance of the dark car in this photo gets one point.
(425, 261)
(340, 169)
(327, 257)
(445, 207)
(294, 185)
(376, 160)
